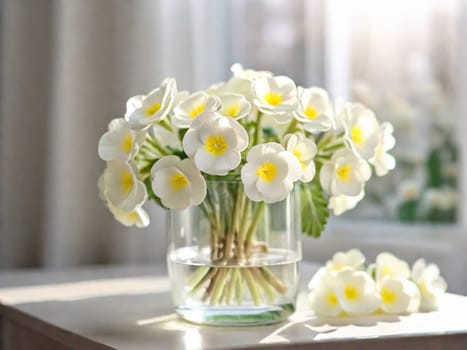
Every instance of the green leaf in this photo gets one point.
(315, 212)
(151, 194)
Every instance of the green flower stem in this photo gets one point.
(256, 216)
(207, 277)
(252, 286)
(238, 286)
(242, 228)
(154, 143)
(324, 141)
(292, 127)
(263, 283)
(332, 148)
(166, 125)
(273, 280)
(198, 276)
(229, 290)
(219, 286)
(256, 138)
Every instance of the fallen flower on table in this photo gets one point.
(345, 286)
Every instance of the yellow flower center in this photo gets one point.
(343, 173)
(337, 266)
(178, 181)
(386, 270)
(215, 145)
(296, 152)
(267, 172)
(127, 143)
(351, 293)
(388, 296)
(197, 110)
(232, 110)
(151, 110)
(133, 216)
(126, 182)
(311, 112)
(273, 98)
(357, 135)
(331, 299)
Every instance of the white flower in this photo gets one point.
(383, 161)
(341, 203)
(270, 172)
(388, 265)
(323, 300)
(137, 217)
(305, 150)
(123, 189)
(353, 259)
(361, 129)
(234, 106)
(164, 137)
(444, 198)
(398, 296)
(194, 105)
(408, 190)
(345, 174)
(215, 142)
(314, 110)
(249, 74)
(430, 283)
(145, 110)
(178, 183)
(355, 291)
(120, 142)
(276, 96)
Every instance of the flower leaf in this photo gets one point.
(315, 212)
(151, 195)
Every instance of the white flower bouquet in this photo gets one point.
(261, 133)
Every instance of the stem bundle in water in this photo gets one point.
(233, 273)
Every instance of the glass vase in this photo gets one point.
(233, 261)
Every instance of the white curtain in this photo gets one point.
(67, 68)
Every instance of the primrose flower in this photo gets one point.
(353, 259)
(398, 296)
(383, 161)
(323, 300)
(122, 187)
(305, 150)
(215, 143)
(341, 203)
(276, 96)
(178, 183)
(137, 217)
(344, 174)
(146, 110)
(234, 106)
(361, 129)
(314, 110)
(355, 291)
(430, 283)
(120, 142)
(388, 265)
(193, 106)
(270, 172)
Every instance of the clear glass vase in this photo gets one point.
(233, 261)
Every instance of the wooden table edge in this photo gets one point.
(45, 329)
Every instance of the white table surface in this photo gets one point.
(129, 307)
